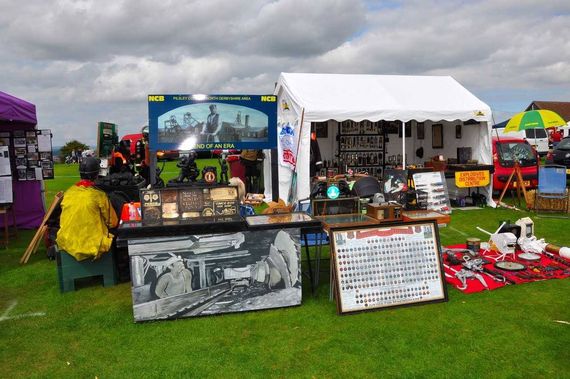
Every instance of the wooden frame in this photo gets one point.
(384, 259)
(407, 127)
(420, 130)
(437, 136)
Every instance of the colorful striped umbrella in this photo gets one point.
(540, 118)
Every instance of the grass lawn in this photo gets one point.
(510, 332)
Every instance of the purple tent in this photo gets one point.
(17, 114)
(17, 110)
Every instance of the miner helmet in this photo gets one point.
(89, 168)
(144, 132)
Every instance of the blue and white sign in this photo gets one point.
(207, 122)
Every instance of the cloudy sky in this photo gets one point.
(84, 61)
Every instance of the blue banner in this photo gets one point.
(207, 122)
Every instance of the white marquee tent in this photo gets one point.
(339, 97)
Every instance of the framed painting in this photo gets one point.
(421, 130)
(437, 136)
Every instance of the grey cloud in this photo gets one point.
(99, 30)
(87, 61)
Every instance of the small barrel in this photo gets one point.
(473, 244)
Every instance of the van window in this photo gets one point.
(535, 133)
(511, 151)
(564, 144)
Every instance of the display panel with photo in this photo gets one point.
(386, 266)
(197, 275)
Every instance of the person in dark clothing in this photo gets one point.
(252, 159)
(316, 162)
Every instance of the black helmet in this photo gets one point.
(89, 168)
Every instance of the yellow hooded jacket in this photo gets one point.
(86, 215)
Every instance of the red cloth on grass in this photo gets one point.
(473, 284)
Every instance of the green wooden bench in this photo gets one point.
(69, 269)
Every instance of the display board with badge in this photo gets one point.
(380, 266)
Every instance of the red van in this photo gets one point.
(505, 151)
(132, 139)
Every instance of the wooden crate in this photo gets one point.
(384, 212)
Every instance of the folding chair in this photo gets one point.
(551, 189)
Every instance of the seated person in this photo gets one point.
(86, 216)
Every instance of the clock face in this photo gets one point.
(333, 192)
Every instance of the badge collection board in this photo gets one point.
(380, 266)
(186, 203)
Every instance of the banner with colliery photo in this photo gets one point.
(208, 122)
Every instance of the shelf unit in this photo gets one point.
(361, 147)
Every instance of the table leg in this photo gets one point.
(318, 250)
(311, 280)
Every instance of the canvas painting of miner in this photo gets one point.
(198, 275)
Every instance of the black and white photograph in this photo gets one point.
(21, 162)
(197, 275)
(20, 142)
(5, 138)
(30, 173)
(22, 173)
(32, 140)
(46, 156)
(46, 164)
(47, 173)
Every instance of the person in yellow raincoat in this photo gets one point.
(86, 216)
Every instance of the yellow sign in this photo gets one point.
(466, 179)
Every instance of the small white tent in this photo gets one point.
(323, 97)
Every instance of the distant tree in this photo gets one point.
(70, 146)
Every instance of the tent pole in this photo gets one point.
(403, 146)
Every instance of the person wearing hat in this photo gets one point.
(174, 282)
(86, 216)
